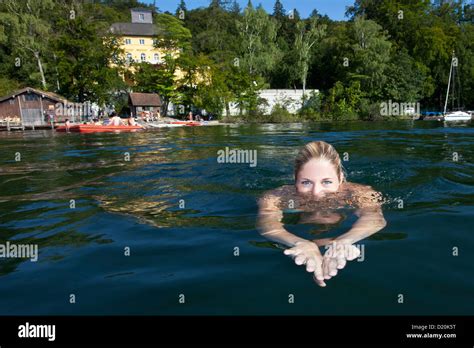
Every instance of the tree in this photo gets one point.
(172, 34)
(87, 60)
(278, 10)
(28, 30)
(305, 40)
(258, 41)
(158, 79)
(181, 7)
(343, 102)
(406, 80)
(235, 8)
(370, 55)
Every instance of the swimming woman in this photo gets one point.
(320, 184)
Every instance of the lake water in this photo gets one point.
(88, 199)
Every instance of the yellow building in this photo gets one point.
(137, 38)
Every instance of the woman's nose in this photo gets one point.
(317, 190)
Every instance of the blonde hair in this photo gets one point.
(319, 150)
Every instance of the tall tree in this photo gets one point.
(370, 55)
(278, 10)
(235, 8)
(306, 38)
(87, 59)
(181, 8)
(258, 40)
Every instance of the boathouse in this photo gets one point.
(30, 107)
(141, 103)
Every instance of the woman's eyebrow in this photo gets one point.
(328, 179)
(306, 179)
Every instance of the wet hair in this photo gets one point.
(319, 150)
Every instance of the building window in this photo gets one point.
(128, 41)
(143, 57)
(141, 16)
(156, 57)
(129, 57)
(142, 41)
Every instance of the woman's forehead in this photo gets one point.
(318, 167)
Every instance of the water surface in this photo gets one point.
(183, 215)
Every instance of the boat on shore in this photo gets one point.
(455, 115)
(93, 128)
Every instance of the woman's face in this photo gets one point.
(317, 177)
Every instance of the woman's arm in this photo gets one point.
(371, 220)
(269, 221)
(303, 252)
(341, 249)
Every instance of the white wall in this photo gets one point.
(289, 98)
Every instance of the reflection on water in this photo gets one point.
(183, 214)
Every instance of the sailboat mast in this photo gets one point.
(449, 83)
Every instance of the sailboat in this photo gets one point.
(454, 115)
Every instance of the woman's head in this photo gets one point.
(318, 169)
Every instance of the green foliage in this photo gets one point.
(258, 49)
(7, 86)
(305, 39)
(342, 102)
(158, 79)
(395, 50)
(83, 60)
(172, 34)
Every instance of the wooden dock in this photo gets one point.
(16, 126)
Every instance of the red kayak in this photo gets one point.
(93, 128)
(187, 123)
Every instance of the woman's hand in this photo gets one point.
(336, 257)
(307, 253)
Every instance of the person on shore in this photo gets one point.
(131, 121)
(190, 116)
(115, 120)
(321, 188)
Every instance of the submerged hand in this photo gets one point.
(336, 257)
(307, 253)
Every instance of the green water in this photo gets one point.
(183, 215)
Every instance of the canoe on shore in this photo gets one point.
(92, 128)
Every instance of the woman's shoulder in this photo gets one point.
(363, 195)
(278, 195)
(352, 186)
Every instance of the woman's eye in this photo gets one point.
(306, 183)
(327, 182)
